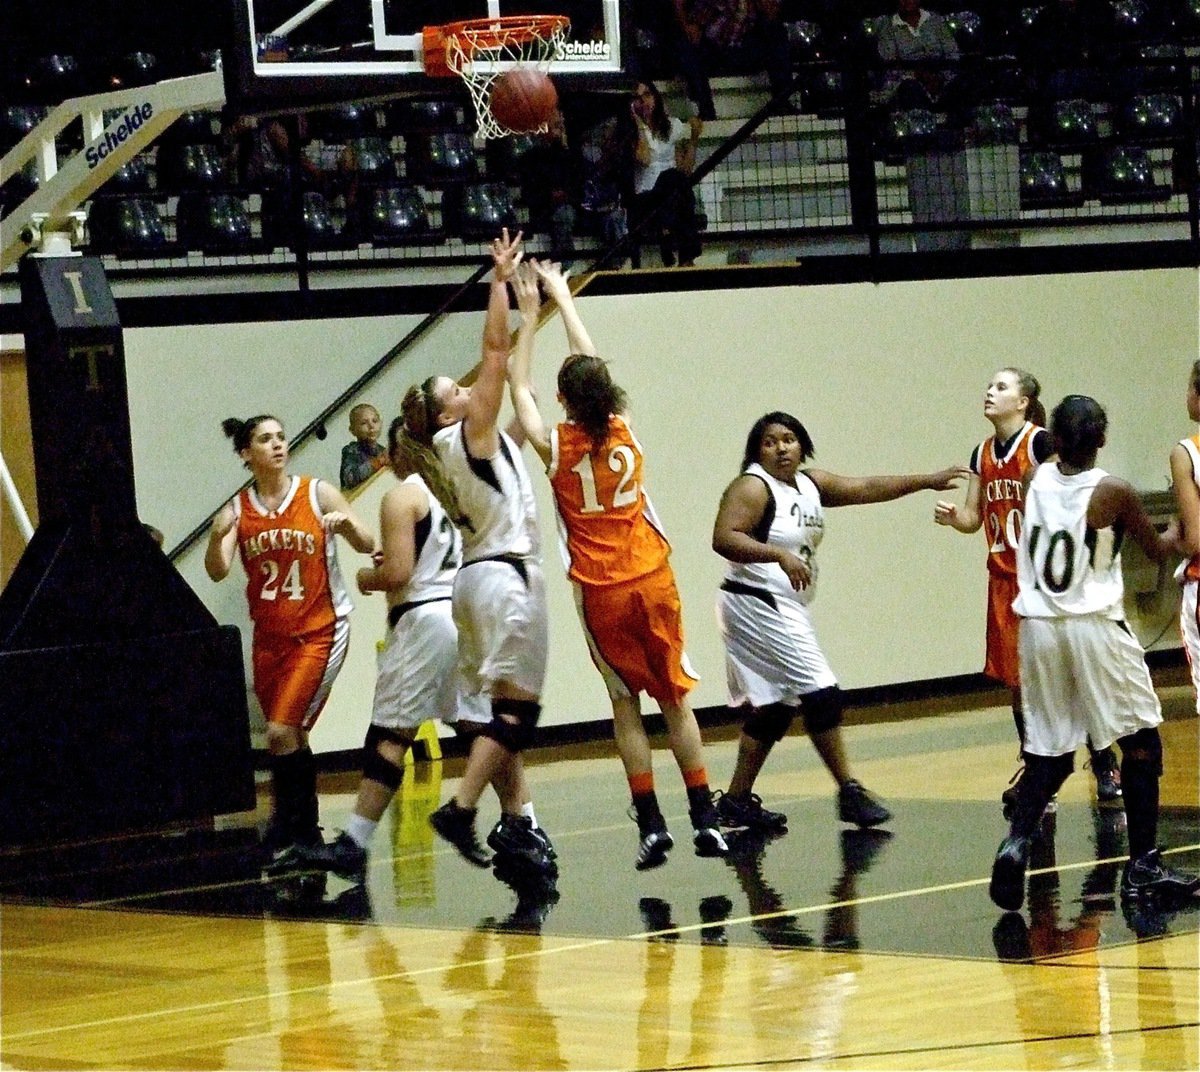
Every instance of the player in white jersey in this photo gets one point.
(1082, 671)
(769, 526)
(476, 470)
(417, 677)
(1185, 480)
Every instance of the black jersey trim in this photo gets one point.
(749, 590)
(401, 609)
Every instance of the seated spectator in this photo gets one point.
(664, 157)
(363, 455)
(549, 186)
(909, 36)
(745, 34)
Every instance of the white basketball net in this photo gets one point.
(475, 51)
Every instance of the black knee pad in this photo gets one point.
(822, 710)
(768, 724)
(374, 765)
(513, 736)
(1145, 746)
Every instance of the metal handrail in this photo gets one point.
(316, 427)
(13, 498)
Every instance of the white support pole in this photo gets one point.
(13, 498)
(300, 18)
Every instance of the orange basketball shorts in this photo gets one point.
(294, 674)
(635, 634)
(1002, 663)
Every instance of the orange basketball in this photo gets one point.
(523, 99)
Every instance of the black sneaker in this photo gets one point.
(857, 806)
(457, 826)
(343, 856)
(544, 838)
(1007, 888)
(1148, 876)
(653, 848)
(513, 837)
(707, 841)
(747, 813)
(291, 857)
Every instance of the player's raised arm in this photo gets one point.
(554, 282)
(520, 380)
(487, 392)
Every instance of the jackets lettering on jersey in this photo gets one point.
(293, 584)
(279, 540)
(1004, 490)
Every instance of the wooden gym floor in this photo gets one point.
(827, 948)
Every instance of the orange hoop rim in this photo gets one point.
(492, 33)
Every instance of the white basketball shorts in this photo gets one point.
(771, 650)
(418, 669)
(500, 612)
(1081, 677)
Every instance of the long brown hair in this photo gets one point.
(411, 437)
(589, 395)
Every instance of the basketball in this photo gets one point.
(523, 99)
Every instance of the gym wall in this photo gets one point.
(887, 378)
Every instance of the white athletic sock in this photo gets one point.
(527, 811)
(361, 830)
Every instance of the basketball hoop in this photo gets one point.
(474, 50)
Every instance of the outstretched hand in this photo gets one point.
(554, 279)
(506, 255)
(525, 287)
(947, 479)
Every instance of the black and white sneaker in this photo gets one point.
(457, 826)
(1148, 876)
(708, 841)
(653, 848)
(514, 838)
(343, 856)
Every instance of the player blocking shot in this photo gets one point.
(1083, 673)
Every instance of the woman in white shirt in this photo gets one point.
(664, 157)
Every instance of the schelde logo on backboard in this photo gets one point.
(121, 131)
(583, 50)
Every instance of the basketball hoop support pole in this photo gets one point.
(145, 111)
(300, 18)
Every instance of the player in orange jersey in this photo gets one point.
(1001, 467)
(1185, 479)
(617, 557)
(281, 527)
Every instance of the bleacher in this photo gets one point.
(405, 181)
